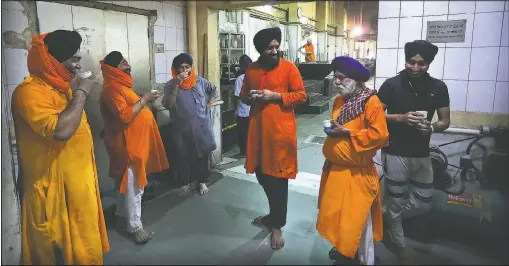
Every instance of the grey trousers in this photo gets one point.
(408, 191)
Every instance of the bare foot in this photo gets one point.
(404, 257)
(258, 221)
(203, 189)
(142, 237)
(183, 191)
(277, 240)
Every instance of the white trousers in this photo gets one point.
(129, 204)
(366, 246)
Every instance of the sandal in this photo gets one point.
(142, 237)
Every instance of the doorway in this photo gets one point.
(102, 31)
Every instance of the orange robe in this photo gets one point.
(350, 187)
(310, 52)
(129, 139)
(272, 138)
(61, 203)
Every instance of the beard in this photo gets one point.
(270, 62)
(347, 89)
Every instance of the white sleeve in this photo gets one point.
(238, 85)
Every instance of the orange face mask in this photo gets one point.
(114, 75)
(187, 84)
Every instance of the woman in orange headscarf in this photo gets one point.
(131, 136)
(189, 99)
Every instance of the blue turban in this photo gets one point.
(181, 59)
(351, 68)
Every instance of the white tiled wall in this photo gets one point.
(170, 30)
(14, 63)
(476, 71)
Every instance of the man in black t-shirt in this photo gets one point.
(411, 99)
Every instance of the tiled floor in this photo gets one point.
(216, 228)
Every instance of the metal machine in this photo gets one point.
(475, 207)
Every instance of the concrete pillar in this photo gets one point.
(294, 36)
(322, 41)
(322, 17)
(11, 228)
(208, 56)
(192, 30)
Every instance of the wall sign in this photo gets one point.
(446, 31)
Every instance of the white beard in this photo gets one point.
(345, 90)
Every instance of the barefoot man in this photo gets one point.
(272, 86)
(350, 209)
(189, 99)
(62, 219)
(132, 139)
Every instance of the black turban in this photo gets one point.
(180, 59)
(113, 59)
(262, 38)
(425, 49)
(351, 68)
(63, 44)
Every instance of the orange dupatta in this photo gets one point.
(188, 83)
(43, 65)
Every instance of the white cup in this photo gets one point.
(327, 124)
(85, 74)
(423, 113)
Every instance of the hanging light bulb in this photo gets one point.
(357, 31)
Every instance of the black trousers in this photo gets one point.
(276, 190)
(188, 171)
(242, 127)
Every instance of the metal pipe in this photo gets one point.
(465, 131)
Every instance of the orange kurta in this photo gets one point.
(61, 205)
(129, 139)
(310, 52)
(272, 138)
(351, 187)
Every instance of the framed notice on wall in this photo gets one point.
(446, 31)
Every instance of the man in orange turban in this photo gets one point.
(131, 136)
(62, 218)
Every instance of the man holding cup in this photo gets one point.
(349, 202)
(272, 86)
(62, 219)
(189, 98)
(132, 139)
(411, 99)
